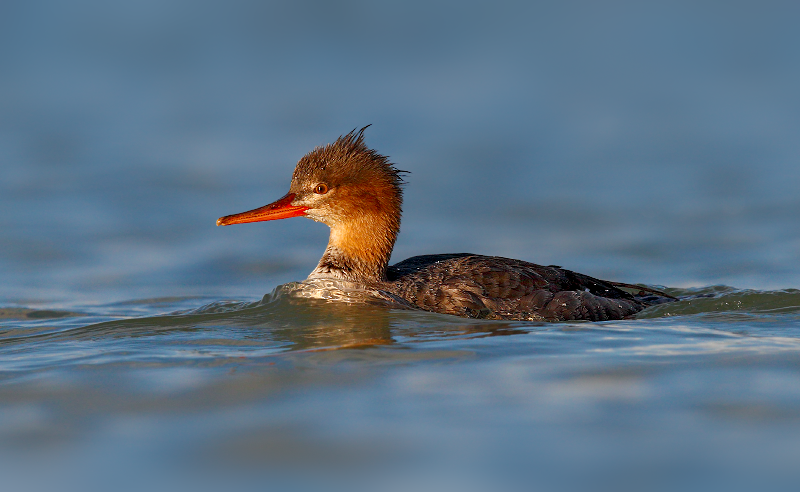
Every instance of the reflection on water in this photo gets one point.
(307, 391)
(310, 392)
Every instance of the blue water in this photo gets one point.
(141, 347)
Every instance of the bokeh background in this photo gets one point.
(652, 142)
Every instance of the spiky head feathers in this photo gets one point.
(346, 179)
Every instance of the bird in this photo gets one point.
(358, 194)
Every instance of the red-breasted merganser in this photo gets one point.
(357, 193)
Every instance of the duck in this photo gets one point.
(358, 193)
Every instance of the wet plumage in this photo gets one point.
(357, 193)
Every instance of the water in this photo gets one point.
(141, 347)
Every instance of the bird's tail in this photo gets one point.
(646, 294)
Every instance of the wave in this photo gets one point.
(309, 314)
(724, 299)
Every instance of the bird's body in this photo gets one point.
(357, 193)
(492, 287)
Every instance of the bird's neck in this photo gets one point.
(359, 249)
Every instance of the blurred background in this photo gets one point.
(651, 142)
(654, 142)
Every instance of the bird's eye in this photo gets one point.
(321, 189)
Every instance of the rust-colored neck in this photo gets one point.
(359, 249)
